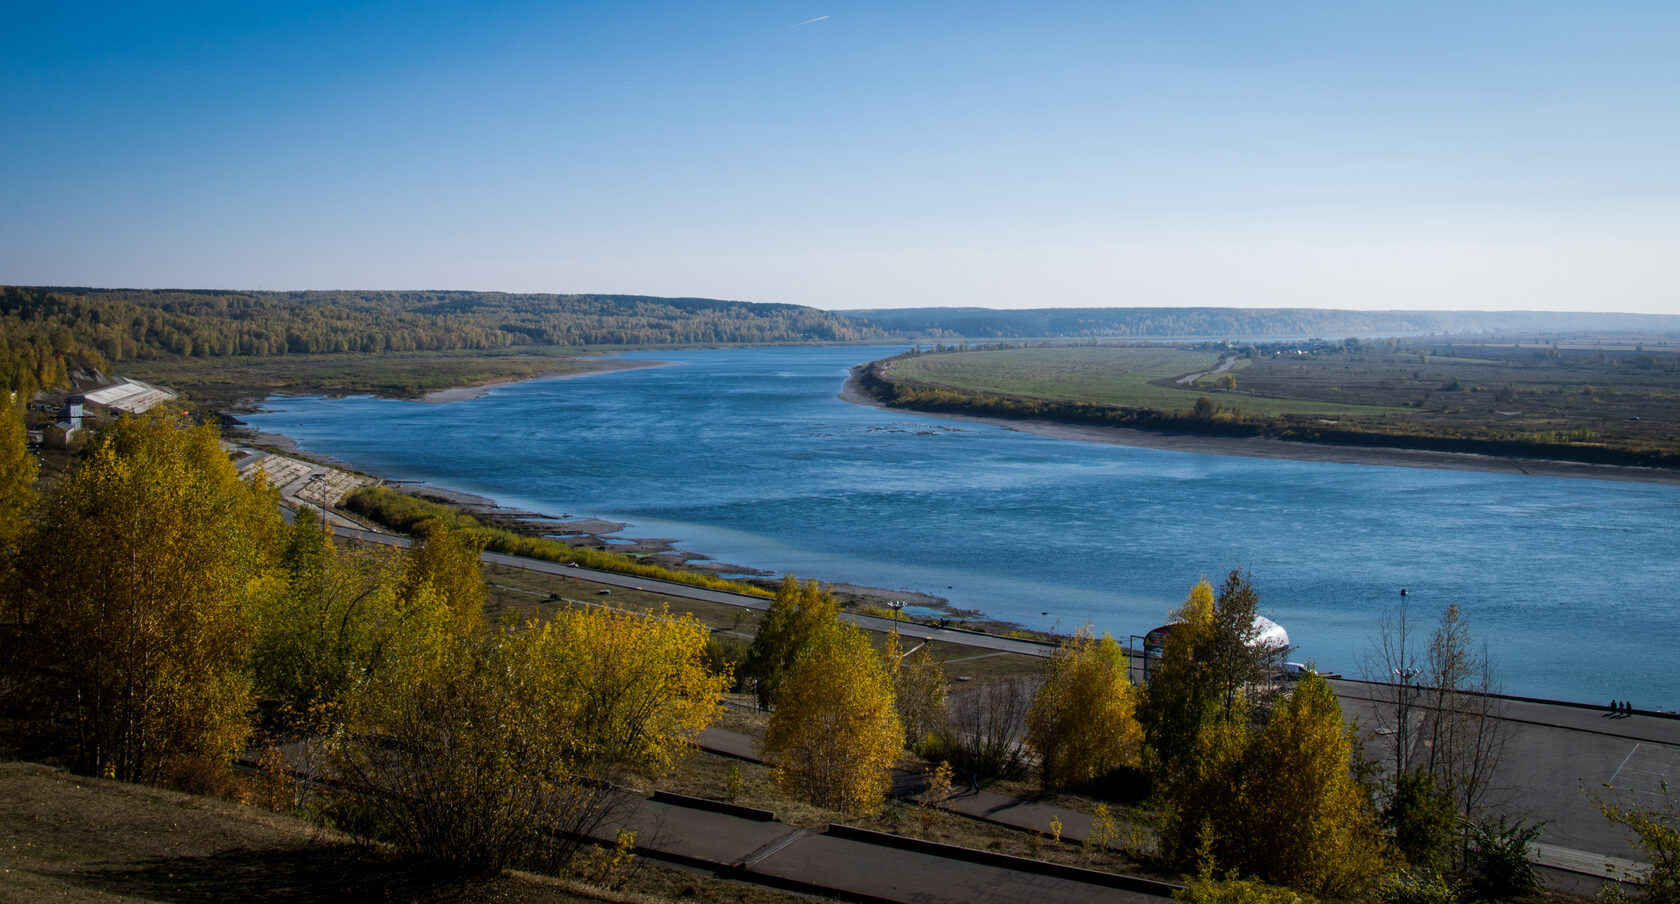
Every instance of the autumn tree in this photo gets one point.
(796, 616)
(17, 479)
(1179, 699)
(328, 621)
(17, 505)
(1215, 668)
(1278, 802)
(834, 733)
(501, 749)
(1439, 715)
(446, 562)
(1462, 734)
(1083, 722)
(920, 689)
(147, 555)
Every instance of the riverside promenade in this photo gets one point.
(1558, 756)
(856, 864)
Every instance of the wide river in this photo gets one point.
(749, 456)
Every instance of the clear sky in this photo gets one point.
(1345, 153)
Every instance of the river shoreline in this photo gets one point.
(597, 533)
(600, 366)
(1271, 448)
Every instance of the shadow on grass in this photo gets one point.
(320, 874)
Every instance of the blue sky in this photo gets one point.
(1331, 154)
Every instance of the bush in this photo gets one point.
(1421, 887)
(985, 737)
(1497, 863)
(1204, 889)
(486, 752)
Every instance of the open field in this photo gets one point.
(1141, 376)
(224, 382)
(1612, 403)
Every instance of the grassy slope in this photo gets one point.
(78, 839)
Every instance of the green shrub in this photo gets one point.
(1421, 887)
(1497, 863)
(1204, 889)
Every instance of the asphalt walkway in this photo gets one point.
(856, 865)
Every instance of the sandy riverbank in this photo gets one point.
(592, 366)
(1265, 447)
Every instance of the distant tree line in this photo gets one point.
(47, 333)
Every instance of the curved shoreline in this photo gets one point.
(1268, 447)
(604, 366)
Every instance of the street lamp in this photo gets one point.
(896, 606)
(1403, 722)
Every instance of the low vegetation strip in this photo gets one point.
(400, 511)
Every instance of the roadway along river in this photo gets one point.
(747, 455)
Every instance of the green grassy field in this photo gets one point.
(1580, 399)
(1110, 375)
(220, 382)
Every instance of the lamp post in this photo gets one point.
(1403, 722)
(896, 606)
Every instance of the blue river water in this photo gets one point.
(749, 456)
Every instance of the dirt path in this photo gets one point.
(1225, 364)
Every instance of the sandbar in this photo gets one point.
(590, 367)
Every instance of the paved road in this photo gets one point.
(1557, 758)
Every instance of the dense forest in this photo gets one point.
(47, 333)
(1237, 323)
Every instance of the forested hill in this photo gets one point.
(47, 331)
(1238, 323)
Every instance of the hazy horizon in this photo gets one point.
(1432, 157)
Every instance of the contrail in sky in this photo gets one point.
(808, 21)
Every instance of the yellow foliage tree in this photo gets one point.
(17, 505)
(1279, 804)
(17, 478)
(796, 616)
(1083, 720)
(1180, 698)
(499, 749)
(445, 561)
(135, 604)
(328, 621)
(920, 688)
(834, 734)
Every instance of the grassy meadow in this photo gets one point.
(1614, 401)
(1134, 376)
